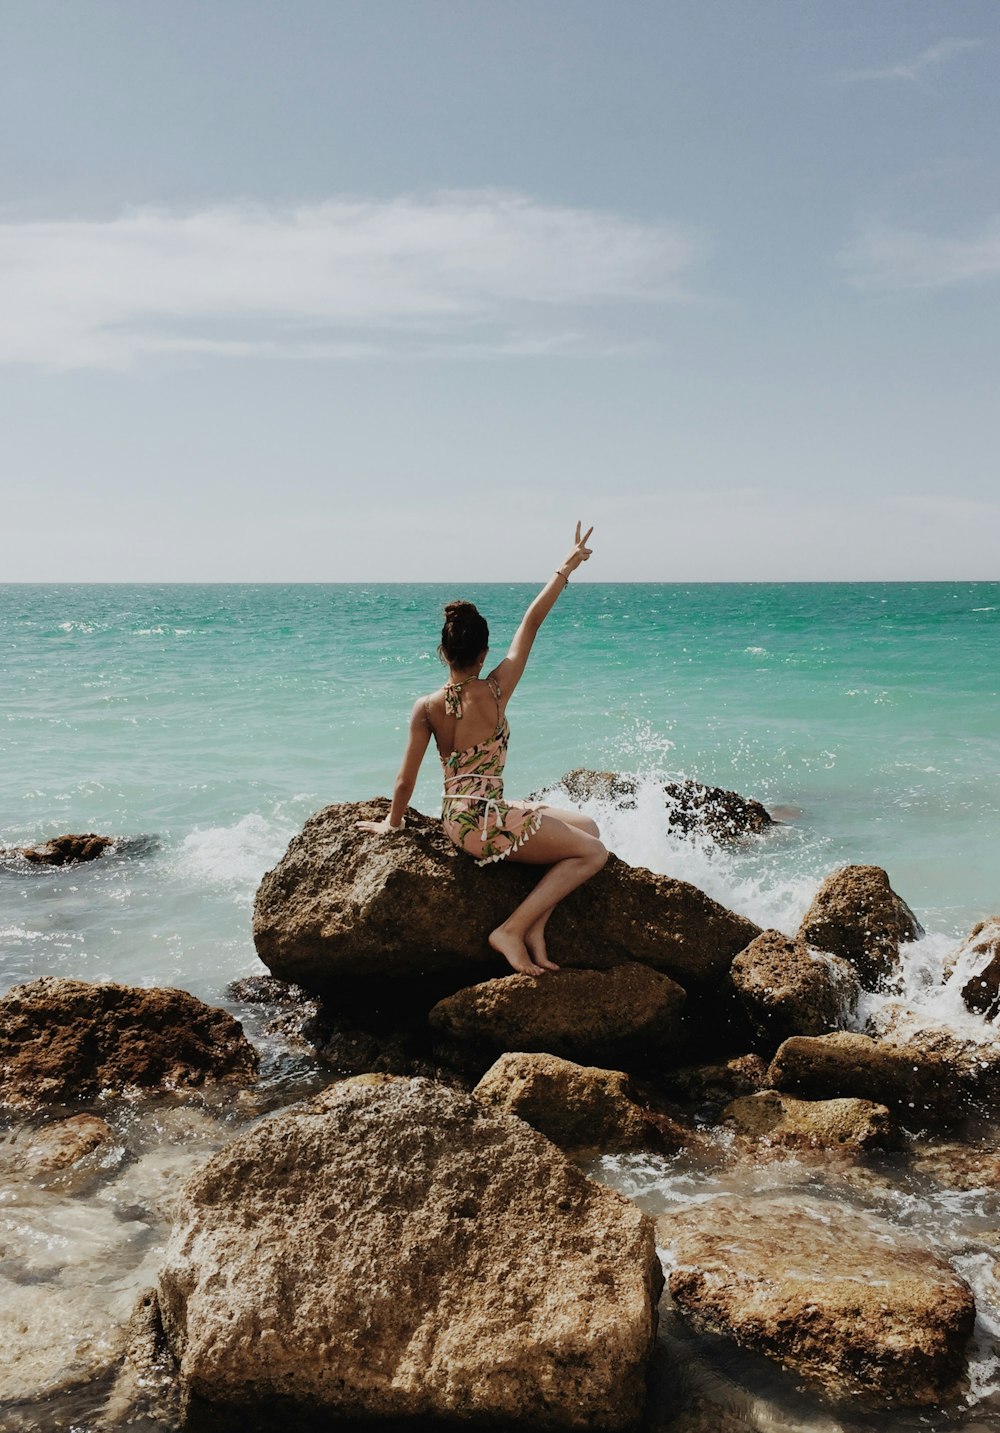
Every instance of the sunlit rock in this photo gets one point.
(981, 947)
(787, 988)
(857, 915)
(817, 1124)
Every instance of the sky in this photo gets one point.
(396, 290)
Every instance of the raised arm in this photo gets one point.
(416, 746)
(511, 669)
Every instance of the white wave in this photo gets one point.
(236, 856)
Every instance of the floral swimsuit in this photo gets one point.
(473, 790)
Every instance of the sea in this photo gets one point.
(200, 725)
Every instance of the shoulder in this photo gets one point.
(420, 712)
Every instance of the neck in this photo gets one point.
(456, 678)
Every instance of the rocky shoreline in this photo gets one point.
(417, 1242)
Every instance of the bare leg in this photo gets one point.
(573, 856)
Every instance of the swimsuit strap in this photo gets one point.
(453, 696)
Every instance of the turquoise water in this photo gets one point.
(216, 718)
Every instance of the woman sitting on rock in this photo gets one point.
(467, 718)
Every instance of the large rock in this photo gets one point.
(64, 1040)
(628, 1014)
(393, 1250)
(68, 850)
(981, 949)
(788, 989)
(857, 915)
(930, 1075)
(578, 1107)
(690, 807)
(343, 906)
(847, 1303)
(815, 1124)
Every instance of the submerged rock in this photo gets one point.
(857, 915)
(397, 913)
(788, 989)
(628, 1014)
(392, 1250)
(577, 1107)
(847, 1302)
(982, 945)
(67, 850)
(64, 1143)
(690, 809)
(64, 1040)
(817, 1124)
(146, 1390)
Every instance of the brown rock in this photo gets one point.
(63, 1040)
(146, 1389)
(629, 1011)
(982, 945)
(581, 784)
(67, 850)
(857, 915)
(577, 1107)
(717, 1084)
(848, 1303)
(394, 1250)
(64, 1143)
(691, 808)
(817, 1124)
(932, 1076)
(343, 906)
(788, 989)
(265, 990)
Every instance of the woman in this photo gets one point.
(467, 719)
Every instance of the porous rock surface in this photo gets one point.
(926, 1075)
(857, 915)
(68, 850)
(344, 905)
(63, 1040)
(578, 1107)
(786, 988)
(691, 808)
(845, 1301)
(393, 1250)
(824, 1124)
(629, 1013)
(982, 945)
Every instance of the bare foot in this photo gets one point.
(534, 940)
(514, 951)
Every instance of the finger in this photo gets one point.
(577, 538)
(586, 536)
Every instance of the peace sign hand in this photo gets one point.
(580, 551)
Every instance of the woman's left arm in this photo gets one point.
(416, 746)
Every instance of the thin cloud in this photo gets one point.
(888, 257)
(466, 273)
(914, 69)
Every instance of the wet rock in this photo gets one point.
(857, 915)
(788, 989)
(581, 784)
(67, 850)
(629, 1013)
(64, 1040)
(848, 1303)
(816, 1124)
(578, 1107)
(717, 1084)
(956, 1165)
(691, 808)
(266, 990)
(393, 915)
(982, 946)
(394, 1250)
(931, 1076)
(146, 1389)
(64, 1143)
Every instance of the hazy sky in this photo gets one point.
(338, 290)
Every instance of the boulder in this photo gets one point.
(64, 1040)
(146, 1390)
(577, 1107)
(393, 1250)
(929, 1076)
(691, 808)
(981, 949)
(628, 1014)
(68, 850)
(847, 1302)
(345, 908)
(816, 1124)
(63, 1143)
(857, 915)
(786, 988)
(716, 1084)
(265, 990)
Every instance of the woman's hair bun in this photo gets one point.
(457, 611)
(464, 635)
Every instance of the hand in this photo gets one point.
(579, 552)
(378, 828)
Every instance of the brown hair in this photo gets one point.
(464, 634)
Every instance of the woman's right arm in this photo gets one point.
(511, 669)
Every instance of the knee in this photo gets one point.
(599, 857)
(591, 827)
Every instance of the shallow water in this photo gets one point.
(211, 721)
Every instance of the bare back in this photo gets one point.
(482, 709)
